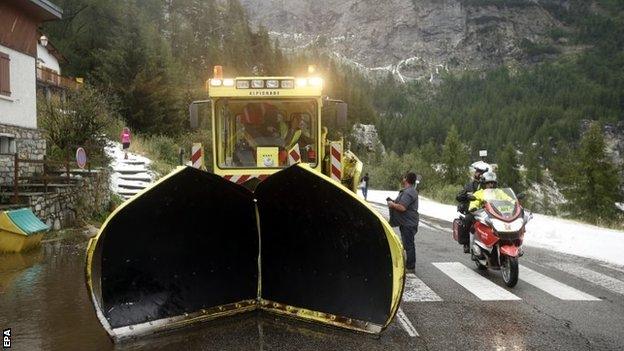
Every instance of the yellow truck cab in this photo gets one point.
(263, 124)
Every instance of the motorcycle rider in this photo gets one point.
(489, 182)
(480, 168)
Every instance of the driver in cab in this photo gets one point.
(297, 133)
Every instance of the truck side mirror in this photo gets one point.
(193, 116)
(341, 115)
(194, 119)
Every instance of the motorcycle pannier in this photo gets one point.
(457, 226)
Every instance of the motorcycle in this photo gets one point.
(497, 233)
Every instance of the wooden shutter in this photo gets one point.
(5, 74)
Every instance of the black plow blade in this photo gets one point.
(195, 246)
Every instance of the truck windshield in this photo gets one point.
(263, 133)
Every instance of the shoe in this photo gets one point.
(410, 270)
(466, 248)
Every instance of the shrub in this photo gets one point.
(80, 120)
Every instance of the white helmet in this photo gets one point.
(489, 177)
(480, 166)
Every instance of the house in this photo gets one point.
(30, 65)
(19, 51)
(50, 83)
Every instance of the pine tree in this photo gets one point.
(429, 152)
(596, 184)
(508, 173)
(455, 158)
(140, 69)
(533, 165)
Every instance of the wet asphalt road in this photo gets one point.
(43, 299)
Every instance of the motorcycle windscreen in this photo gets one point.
(325, 255)
(184, 250)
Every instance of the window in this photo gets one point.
(7, 144)
(5, 75)
(260, 133)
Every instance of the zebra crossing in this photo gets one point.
(486, 288)
(481, 287)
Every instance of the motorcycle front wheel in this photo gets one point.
(509, 269)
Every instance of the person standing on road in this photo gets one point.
(365, 185)
(404, 214)
(125, 141)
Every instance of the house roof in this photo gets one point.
(43, 10)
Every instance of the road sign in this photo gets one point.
(81, 157)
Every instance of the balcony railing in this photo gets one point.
(48, 76)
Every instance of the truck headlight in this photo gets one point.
(288, 84)
(242, 84)
(257, 83)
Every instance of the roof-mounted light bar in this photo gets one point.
(260, 83)
(265, 84)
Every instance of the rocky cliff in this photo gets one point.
(412, 38)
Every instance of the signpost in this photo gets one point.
(81, 157)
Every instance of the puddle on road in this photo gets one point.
(44, 300)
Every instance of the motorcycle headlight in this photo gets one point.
(513, 226)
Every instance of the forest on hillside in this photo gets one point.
(542, 104)
(542, 119)
(148, 59)
(152, 57)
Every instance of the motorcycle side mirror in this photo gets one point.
(521, 196)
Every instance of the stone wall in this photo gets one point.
(67, 204)
(29, 144)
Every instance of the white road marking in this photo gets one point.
(479, 286)
(603, 280)
(553, 287)
(406, 324)
(417, 291)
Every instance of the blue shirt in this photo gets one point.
(408, 197)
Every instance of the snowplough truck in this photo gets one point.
(276, 226)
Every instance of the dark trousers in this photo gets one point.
(464, 235)
(407, 237)
(365, 192)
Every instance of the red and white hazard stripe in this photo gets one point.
(294, 155)
(196, 156)
(241, 178)
(335, 150)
